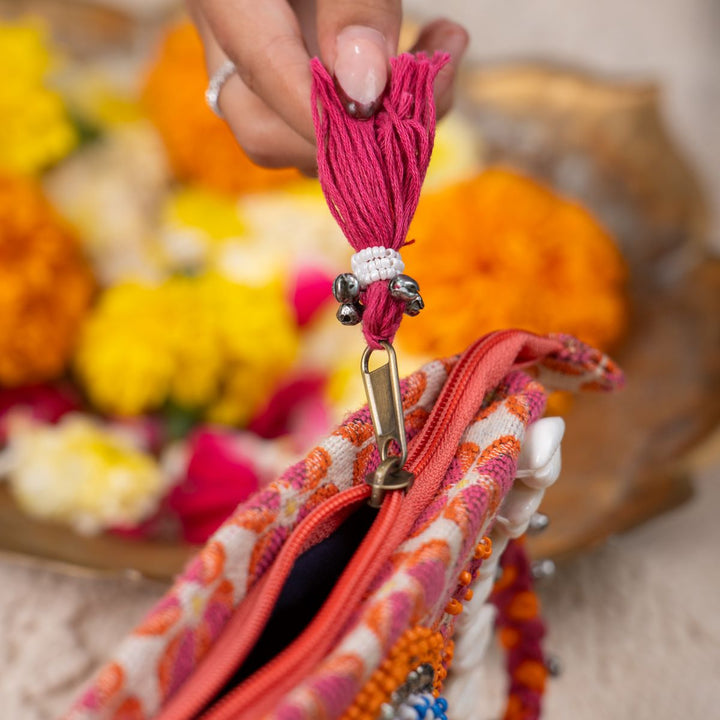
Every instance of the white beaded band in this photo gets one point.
(215, 86)
(376, 263)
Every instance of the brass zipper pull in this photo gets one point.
(382, 388)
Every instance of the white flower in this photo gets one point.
(81, 473)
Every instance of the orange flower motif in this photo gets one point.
(200, 146)
(361, 465)
(358, 433)
(415, 386)
(45, 286)
(499, 251)
(466, 454)
(317, 462)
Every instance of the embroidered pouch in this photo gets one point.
(307, 603)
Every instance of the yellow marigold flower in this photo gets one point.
(199, 342)
(500, 251)
(214, 215)
(45, 286)
(200, 146)
(257, 332)
(197, 223)
(82, 474)
(34, 128)
(124, 357)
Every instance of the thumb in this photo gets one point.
(356, 42)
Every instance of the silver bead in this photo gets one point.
(427, 675)
(387, 712)
(414, 307)
(553, 665)
(403, 287)
(413, 680)
(346, 288)
(349, 314)
(538, 523)
(542, 569)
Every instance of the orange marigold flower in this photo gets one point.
(500, 250)
(45, 286)
(200, 146)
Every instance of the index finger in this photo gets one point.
(264, 41)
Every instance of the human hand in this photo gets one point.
(267, 101)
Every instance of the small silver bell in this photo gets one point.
(539, 522)
(349, 314)
(414, 307)
(553, 665)
(403, 287)
(542, 569)
(346, 288)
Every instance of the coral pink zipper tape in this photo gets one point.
(250, 617)
(480, 368)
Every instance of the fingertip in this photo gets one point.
(444, 35)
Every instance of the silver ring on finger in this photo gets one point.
(215, 86)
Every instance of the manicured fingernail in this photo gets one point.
(361, 68)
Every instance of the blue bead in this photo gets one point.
(442, 703)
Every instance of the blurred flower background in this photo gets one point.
(179, 289)
(176, 296)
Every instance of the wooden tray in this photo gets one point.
(626, 457)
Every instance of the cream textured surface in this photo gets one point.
(635, 623)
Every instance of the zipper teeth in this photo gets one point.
(210, 676)
(282, 671)
(454, 387)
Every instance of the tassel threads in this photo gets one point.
(371, 171)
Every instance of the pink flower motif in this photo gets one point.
(189, 646)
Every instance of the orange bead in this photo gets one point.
(469, 594)
(514, 709)
(509, 637)
(465, 577)
(524, 606)
(506, 579)
(483, 549)
(454, 607)
(532, 674)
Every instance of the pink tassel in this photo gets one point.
(372, 170)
